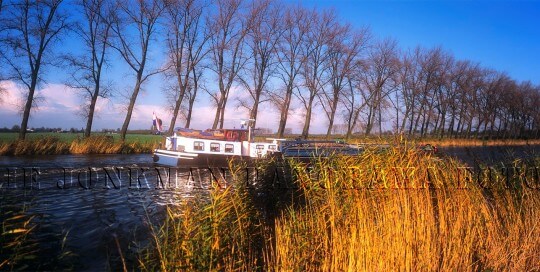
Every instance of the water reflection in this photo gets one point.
(86, 229)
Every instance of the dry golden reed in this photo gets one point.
(397, 209)
(222, 234)
(15, 244)
(50, 145)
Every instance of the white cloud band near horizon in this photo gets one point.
(61, 107)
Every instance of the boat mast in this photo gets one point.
(249, 123)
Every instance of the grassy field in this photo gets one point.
(69, 137)
(72, 143)
(373, 219)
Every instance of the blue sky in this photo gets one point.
(503, 35)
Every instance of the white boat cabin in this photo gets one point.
(193, 145)
(227, 142)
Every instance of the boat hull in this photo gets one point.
(179, 159)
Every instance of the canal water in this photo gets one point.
(93, 212)
(88, 213)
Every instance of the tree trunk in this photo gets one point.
(369, 124)
(131, 105)
(91, 110)
(190, 111)
(353, 125)
(305, 130)
(307, 121)
(254, 111)
(218, 112)
(222, 114)
(177, 106)
(28, 106)
(285, 111)
(332, 116)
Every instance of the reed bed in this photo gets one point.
(16, 247)
(397, 209)
(421, 216)
(50, 145)
(222, 234)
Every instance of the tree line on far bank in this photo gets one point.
(284, 57)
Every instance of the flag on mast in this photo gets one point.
(156, 122)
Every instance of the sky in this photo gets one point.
(502, 35)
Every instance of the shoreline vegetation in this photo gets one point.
(322, 226)
(59, 144)
(75, 143)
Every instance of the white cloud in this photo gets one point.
(59, 98)
(61, 107)
(12, 97)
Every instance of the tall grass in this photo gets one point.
(101, 144)
(15, 245)
(107, 145)
(392, 210)
(222, 234)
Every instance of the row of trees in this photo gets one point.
(285, 57)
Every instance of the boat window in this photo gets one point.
(198, 146)
(214, 147)
(272, 147)
(259, 147)
(229, 148)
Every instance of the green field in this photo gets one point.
(7, 137)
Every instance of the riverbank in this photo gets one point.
(101, 143)
(58, 144)
(479, 142)
(396, 139)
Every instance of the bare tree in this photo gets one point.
(422, 79)
(352, 100)
(2, 90)
(497, 83)
(344, 50)
(444, 95)
(289, 60)
(441, 94)
(380, 80)
(315, 53)
(432, 69)
(229, 27)
(262, 39)
(139, 18)
(186, 39)
(33, 28)
(192, 91)
(87, 72)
